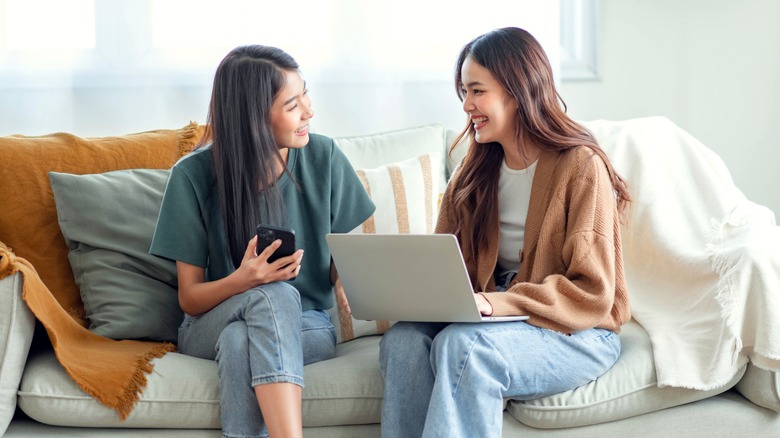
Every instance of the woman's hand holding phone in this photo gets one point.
(256, 269)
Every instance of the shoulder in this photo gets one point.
(197, 167)
(198, 161)
(320, 144)
(581, 161)
(322, 149)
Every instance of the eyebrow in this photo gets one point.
(473, 83)
(290, 100)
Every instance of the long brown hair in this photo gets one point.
(518, 62)
(246, 155)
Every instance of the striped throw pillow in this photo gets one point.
(406, 195)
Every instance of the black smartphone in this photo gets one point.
(268, 233)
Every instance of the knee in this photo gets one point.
(279, 296)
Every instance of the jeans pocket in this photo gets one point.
(607, 341)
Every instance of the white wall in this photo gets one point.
(711, 66)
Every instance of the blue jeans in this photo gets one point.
(259, 336)
(451, 379)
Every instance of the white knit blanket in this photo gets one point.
(702, 261)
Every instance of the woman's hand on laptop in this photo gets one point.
(483, 304)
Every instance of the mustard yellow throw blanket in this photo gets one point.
(112, 371)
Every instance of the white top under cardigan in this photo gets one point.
(514, 195)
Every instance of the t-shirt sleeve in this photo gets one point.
(180, 233)
(350, 203)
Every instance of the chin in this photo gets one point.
(301, 141)
(482, 139)
(298, 142)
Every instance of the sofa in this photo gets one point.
(343, 396)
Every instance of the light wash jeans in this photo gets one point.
(450, 380)
(259, 336)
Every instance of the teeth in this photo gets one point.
(302, 129)
(480, 120)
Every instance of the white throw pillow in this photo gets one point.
(370, 151)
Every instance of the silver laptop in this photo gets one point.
(406, 277)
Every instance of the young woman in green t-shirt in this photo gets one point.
(262, 321)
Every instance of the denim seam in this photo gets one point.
(278, 342)
(227, 435)
(277, 378)
(462, 369)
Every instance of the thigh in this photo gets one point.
(198, 335)
(406, 339)
(539, 361)
(318, 336)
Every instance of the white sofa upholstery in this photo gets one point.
(343, 396)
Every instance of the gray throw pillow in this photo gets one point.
(108, 221)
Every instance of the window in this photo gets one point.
(96, 67)
(138, 42)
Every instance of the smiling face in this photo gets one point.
(492, 110)
(291, 112)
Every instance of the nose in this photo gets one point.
(468, 106)
(309, 112)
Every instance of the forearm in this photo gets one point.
(199, 298)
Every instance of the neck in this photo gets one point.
(520, 155)
(285, 152)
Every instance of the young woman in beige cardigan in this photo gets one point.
(536, 207)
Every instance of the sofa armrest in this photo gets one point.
(17, 325)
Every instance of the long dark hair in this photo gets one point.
(518, 62)
(246, 155)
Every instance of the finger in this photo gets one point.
(270, 249)
(291, 271)
(251, 248)
(294, 259)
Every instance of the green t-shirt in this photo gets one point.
(330, 198)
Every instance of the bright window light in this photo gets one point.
(205, 24)
(185, 24)
(49, 24)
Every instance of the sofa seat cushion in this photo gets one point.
(182, 392)
(761, 386)
(628, 389)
